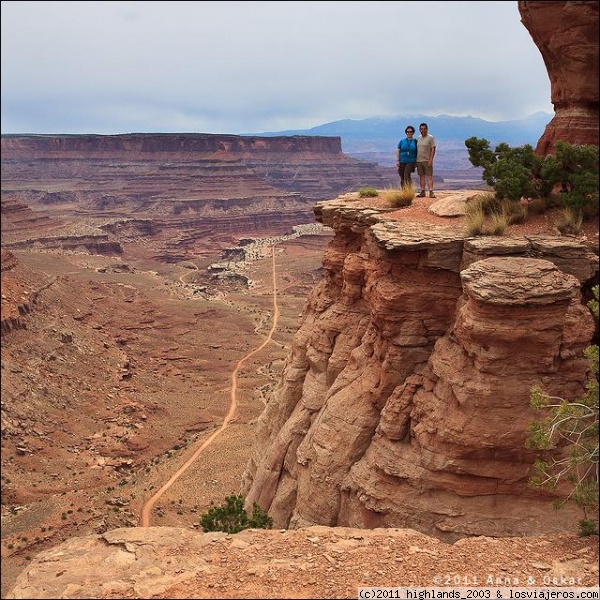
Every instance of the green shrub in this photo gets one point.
(231, 517)
(569, 177)
(574, 168)
(587, 528)
(368, 193)
(537, 206)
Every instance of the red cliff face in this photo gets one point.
(566, 34)
(404, 401)
(182, 145)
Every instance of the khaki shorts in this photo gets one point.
(424, 168)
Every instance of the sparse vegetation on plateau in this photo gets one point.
(368, 193)
(486, 214)
(567, 179)
(569, 221)
(400, 197)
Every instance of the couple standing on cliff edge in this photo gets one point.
(419, 153)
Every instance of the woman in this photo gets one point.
(406, 156)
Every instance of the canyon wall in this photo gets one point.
(566, 34)
(183, 190)
(404, 401)
(162, 145)
(185, 167)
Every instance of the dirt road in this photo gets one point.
(149, 505)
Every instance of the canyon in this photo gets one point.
(123, 311)
(384, 426)
(116, 367)
(182, 187)
(116, 358)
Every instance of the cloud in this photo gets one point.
(233, 67)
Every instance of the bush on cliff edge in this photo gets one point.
(231, 517)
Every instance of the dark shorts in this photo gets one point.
(424, 168)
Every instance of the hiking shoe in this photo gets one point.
(431, 194)
(422, 194)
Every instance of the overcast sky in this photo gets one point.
(248, 67)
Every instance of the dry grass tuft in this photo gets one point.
(399, 198)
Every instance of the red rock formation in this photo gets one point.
(405, 398)
(164, 144)
(184, 187)
(566, 34)
(17, 216)
(23, 228)
(192, 166)
(18, 293)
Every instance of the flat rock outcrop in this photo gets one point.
(404, 401)
(566, 34)
(316, 562)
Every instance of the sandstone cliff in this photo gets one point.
(566, 34)
(404, 401)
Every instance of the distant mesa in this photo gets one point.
(195, 185)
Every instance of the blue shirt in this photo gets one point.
(408, 150)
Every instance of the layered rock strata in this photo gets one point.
(404, 401)
(196, 167)
(566, 34)
(24, 228)
(19, 294)
(182, 190)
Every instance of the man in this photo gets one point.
(425, 154)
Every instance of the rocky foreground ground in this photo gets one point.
(314, 562)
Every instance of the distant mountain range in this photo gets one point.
(375, 139)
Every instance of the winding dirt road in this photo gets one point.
(149, 505)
